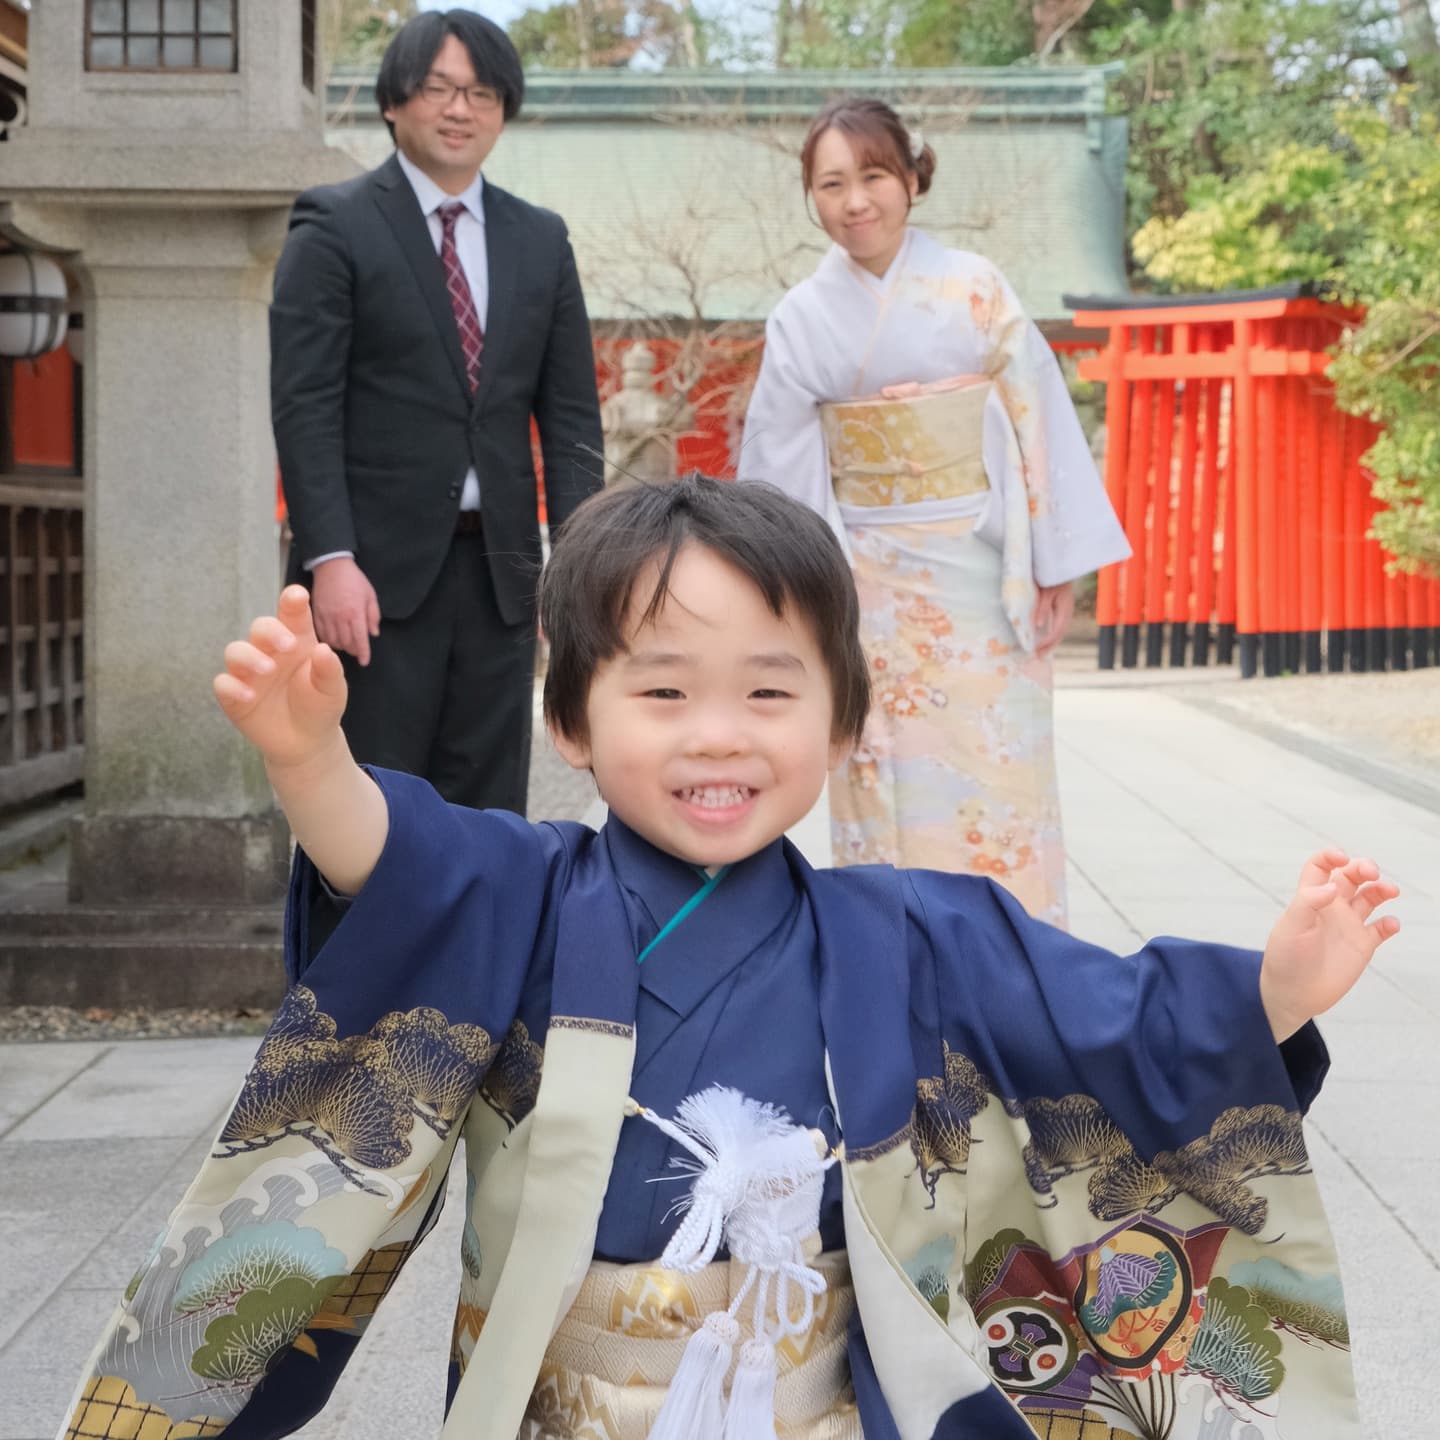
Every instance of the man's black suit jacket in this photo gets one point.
(374, 421)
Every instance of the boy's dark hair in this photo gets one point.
(784, 547)
(412, 52)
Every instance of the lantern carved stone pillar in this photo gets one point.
(168, 192)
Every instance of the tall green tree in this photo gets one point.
(1359, 213)
(1213, 89)
(614, 34)
(356, 32)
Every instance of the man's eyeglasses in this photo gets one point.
(442, 92)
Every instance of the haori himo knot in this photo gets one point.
(759, 1180)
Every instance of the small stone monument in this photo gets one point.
(641, 423)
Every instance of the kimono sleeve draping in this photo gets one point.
(784, 443)
(1073, 528)
(456, 907)
(1165, 1039)
(331, 1166)
(1089, 1168)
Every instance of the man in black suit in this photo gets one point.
(421, 316)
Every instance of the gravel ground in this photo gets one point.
(56, 1022)
(1390, 718)
(1393, 718)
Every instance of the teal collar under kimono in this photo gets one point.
(1075, 1187)
(729, 995)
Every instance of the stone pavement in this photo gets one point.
(1178, 821)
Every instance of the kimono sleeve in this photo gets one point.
(784, 442)
(1074, 529)
(1112, 1174)
(1163, 1040)
(331, 1166)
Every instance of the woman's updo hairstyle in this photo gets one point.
(878, 137)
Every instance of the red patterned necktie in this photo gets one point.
(472, 337)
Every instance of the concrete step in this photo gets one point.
(152, 971)
(42, 912)
(28, 833)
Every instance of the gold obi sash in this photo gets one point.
(609, 1364)
(910, 443)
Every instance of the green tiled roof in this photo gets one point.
(682, 190)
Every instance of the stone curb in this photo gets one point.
(1391, 779)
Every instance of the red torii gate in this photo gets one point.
(1240, 487)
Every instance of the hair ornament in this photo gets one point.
(917, 144)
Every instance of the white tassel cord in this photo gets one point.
(759, 1179)
(694, 1407)
(751, 1414)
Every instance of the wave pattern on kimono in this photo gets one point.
(1076, 1199)
(926, 417)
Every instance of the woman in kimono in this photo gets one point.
(905, 395)
(1033, 1187)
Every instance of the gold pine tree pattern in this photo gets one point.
(1074, 1134)
(356, 1098)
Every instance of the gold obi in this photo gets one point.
(609, 1364)
(908, 444)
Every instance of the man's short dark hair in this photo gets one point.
(412, 52)
(786, 549)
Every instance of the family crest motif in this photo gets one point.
(1122, 1330)
(1127, 1334)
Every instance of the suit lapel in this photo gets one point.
(503, 256)
(397, 203)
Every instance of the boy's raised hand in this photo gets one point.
(283, 689)
(1324, 940)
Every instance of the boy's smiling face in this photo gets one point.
(710, 735)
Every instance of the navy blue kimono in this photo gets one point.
(1086, 1170)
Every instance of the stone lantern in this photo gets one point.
(640, 423)
(163, 149)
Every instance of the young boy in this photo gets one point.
(1071, 1187)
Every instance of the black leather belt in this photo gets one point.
(467, 522)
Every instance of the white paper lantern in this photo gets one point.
(33, 305)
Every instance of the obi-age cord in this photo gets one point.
(758, 1183)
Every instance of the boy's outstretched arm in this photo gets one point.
(284, 691)
(1324, 940)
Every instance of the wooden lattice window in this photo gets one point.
(161, 34)
(42, 572)
(307, 44)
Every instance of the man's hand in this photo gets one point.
(1324, 940)
(282, 689)
(347, 614)
(1054, 609)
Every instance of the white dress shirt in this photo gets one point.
(469, 247)
(474, 261)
